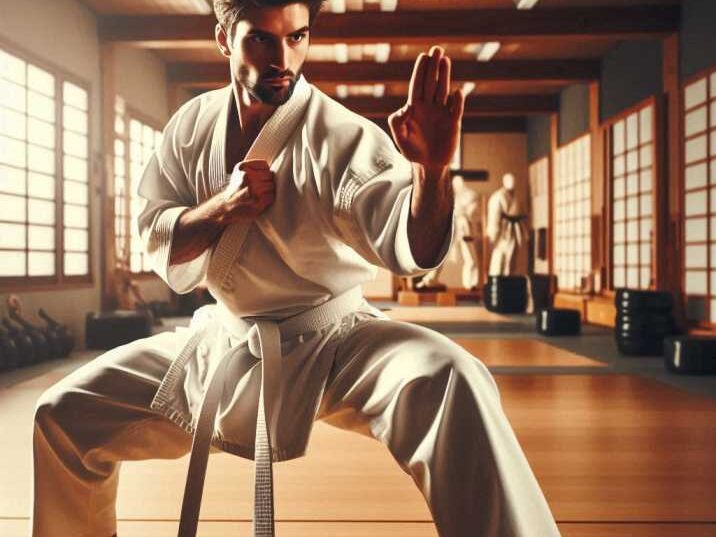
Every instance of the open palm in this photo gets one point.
(427, 128)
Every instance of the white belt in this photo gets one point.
(263, 340)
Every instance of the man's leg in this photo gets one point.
(437, 409)
(90, 421)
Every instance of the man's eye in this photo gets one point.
(297, 38)
(258, 38)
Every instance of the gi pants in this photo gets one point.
(435, 406)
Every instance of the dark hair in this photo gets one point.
(229, 12)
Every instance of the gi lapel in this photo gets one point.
(271, 139)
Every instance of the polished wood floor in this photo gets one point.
(616, 455)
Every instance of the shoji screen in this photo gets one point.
(700, 198)
(539, 194)
(632, 177)
(572, 208)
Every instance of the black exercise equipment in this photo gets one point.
(112, 329)
(23, 342)
(633, 300)
(690, 355)
(44, 339)
(65, 339)
(558, 322)
(9, 354)
(506, 294)
(543, 286)
(643, 320)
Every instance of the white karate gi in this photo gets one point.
(505, 236)
(342, 202)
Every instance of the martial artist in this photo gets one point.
(504, 228)
(280, 200)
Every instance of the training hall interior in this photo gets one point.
(582, 271)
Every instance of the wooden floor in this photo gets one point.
(616, 455)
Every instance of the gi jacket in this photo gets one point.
(341, 207)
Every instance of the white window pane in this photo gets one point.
(618, 137)
(632, 184)
(119, 125)
(713, 171)
(12, 180)
(135, 153)
(76, 240)
(713, 255)
(40, 211)
(646, 181)
(713, 310)
(696, 149)
(696, 176)
(713, 201)
(619, 233)
(645, 278)
(632, 131)
(696, 256)
(76, 264)
(620, 255)
(147, 136)
(12, 236)
(632, 163)
(646, 156)
(619, 165)
(632, 230)
(75, 168)
(13, 152)
(632, 207)
(632, 277)
(645, 254)
(75, 120)
(713, 228)
(41, 237)
(40, 106)
(619, 278)
(75, 144)
(13, 264)
(12, 123)
(712, 148)
(41, 133)
(135, 263)
(695, 121)
(645, 229)
(40, 81)
(695, 229)
(619, 210)
(713, 113)
(12, 208)
(695, 93)
(119, 167)
(76, 216)
(41, 264)
(75, 96)
(646, 122)
(75, 193)
(695, 203)
(40, 159)
(119, 148)
(41, 186)
(12, 68)
(696, 282)
(13, 96)
(619, 187)
(135, 130)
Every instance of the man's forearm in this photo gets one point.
(196, 230)
(430, 213)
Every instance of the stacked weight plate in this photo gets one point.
(558, 322)
(543, 286)
(506, 294)
(690, 355)
(112, 329)
(644, 319)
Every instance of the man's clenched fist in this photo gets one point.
(250, 192)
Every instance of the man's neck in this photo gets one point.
(252, 113)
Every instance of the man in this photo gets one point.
(504, 228)
(280, 199)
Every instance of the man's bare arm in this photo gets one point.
(198, 228)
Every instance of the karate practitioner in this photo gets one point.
(281, 201)
(504, 228)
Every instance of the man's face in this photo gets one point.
(267, 50)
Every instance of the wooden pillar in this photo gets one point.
(671, 164)
(551, 178)
(600, 223)
(107, 241)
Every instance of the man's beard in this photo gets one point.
(264, 92)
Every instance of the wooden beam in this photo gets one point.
(476, 105)
(425, 26)
(563, 71)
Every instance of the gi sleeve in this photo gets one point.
(166, 193)
(372, 207)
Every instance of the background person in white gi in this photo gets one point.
(317, 194)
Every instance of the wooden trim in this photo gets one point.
(215, 74)
(573, 23)
(554, 146)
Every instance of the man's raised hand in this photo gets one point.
(427, 128)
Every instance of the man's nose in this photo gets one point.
(279, 56)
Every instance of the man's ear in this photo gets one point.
(222, 40)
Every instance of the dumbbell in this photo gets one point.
(23, 342)
(43, 346)
(9, 355)
(65, 339)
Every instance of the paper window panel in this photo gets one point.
(41, 186)
(696, 176)
(75, 144)
(76, 216)
(695, 121)
(696, 256)
(75, 169)
(713, 113)
(695, 203)
(646, 124)
(713, 228)
(645, 278)
(696, 230)
(713, 171)
(12, 123)
(632, 161)
(75, 193)
(646, 156)
(12, 208)
(695, 94)
(40, 106)
(40, 159)
(41, 133)
(696, 282)
(713, 309)
(119, 125)
(41, 264)
(632, 184)
(712, 144)
(632, 131)
(40, 211)
(13, 264)
(696, 149)
(12, 236)
(618, 137)
(75, 96)
(40, 81)
(76, 240)
(12, 180)
(713, 200)
(135, 262)
(12, 68)
(76, 264)
(13, 152)
(13, 96)
(645, 253)
(75, 120)
(41, 237)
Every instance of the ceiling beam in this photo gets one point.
(564, 71)
(475, 105)
(425, 26)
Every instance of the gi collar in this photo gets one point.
(271, 139)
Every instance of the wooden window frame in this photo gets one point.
(655, 185)
(710, 242)
(59, 280)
